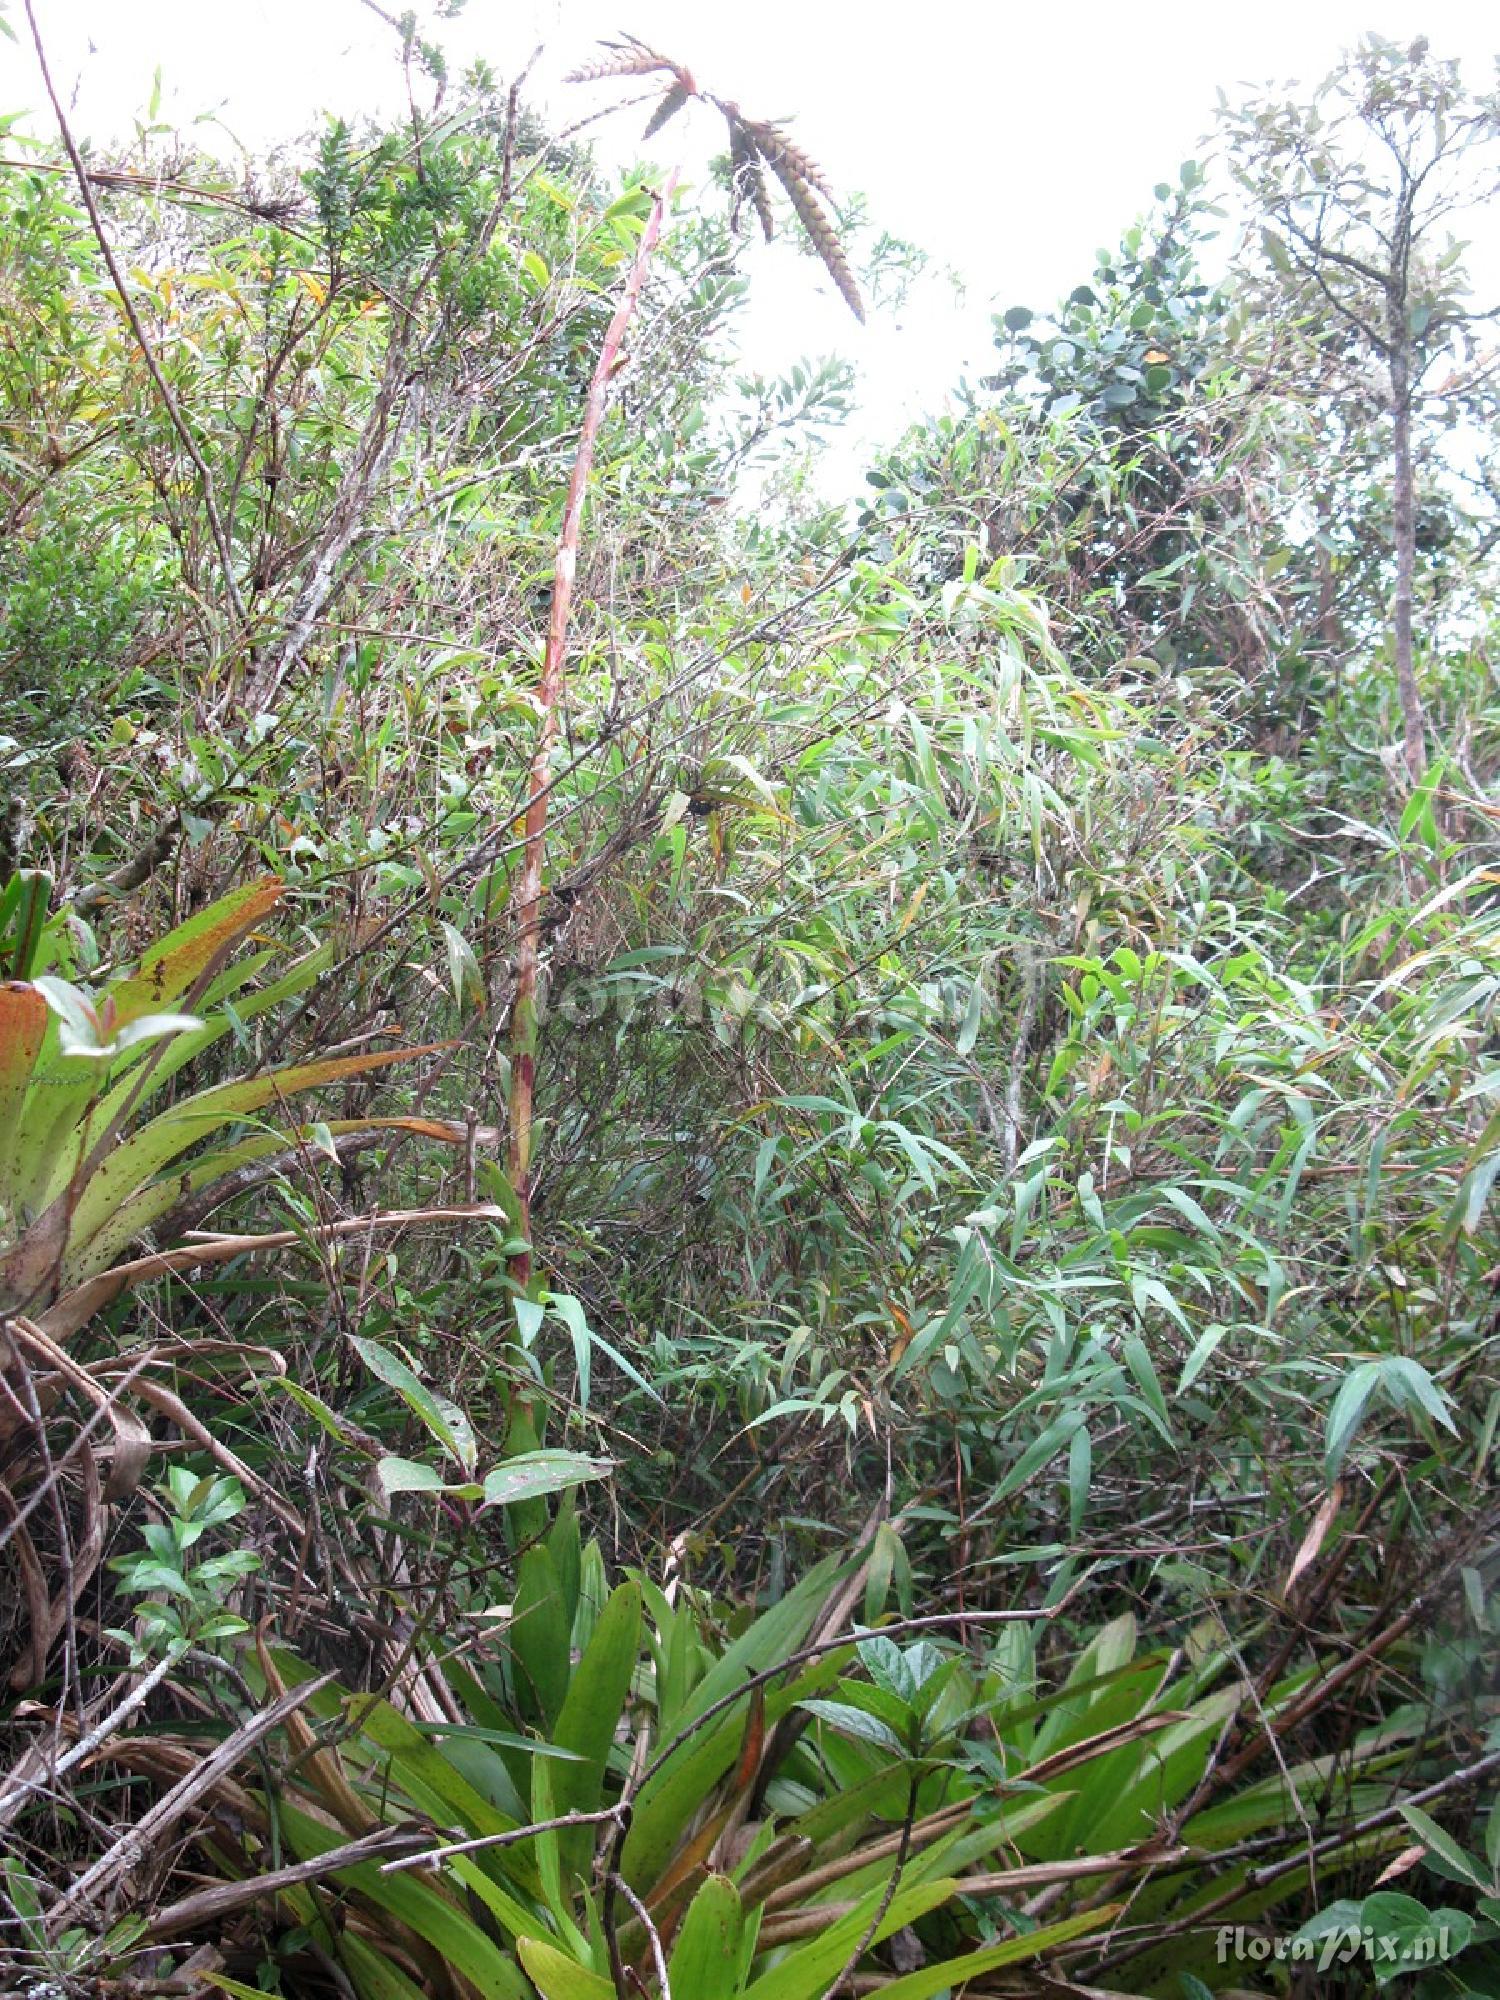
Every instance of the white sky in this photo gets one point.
(1009, 140)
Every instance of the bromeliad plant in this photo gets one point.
(84, 1173)
(625, 1799)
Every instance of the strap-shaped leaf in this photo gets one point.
(134, 1164)
(668, 1802)
(184, 1048)
(23, 1027)
(454, 1933)
(174, 964)
(558, 1977)
(805, 1972)
(951, 1974)
(219, 1175)
(597, 1694)
(708, 1956)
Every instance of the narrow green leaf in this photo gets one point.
(1348, 1409)
(808, 1967)
(452, 1931)
(1080, 1477)
(1138, 1361)
(392, 1370)
(1040, 1452)
(968, 1034)
(463, 971)
(950, 1974)
(1445, 1848)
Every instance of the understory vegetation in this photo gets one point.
(745, 1243)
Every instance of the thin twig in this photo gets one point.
(16, 1793)
(508, 156)
(429, 1856)
(658, 1955)
(209, 1905)
(141, 865)
(878, 1915)
(1259, 1878)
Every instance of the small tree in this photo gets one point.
(1355, 195)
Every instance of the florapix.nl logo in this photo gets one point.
(1388, 1935)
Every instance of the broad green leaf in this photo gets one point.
(855, 1722)
(144, 1209)
(668, 1801)
(408, 1475)
(589, 1720)
(24, 1017)
(540, 1633)
(169, 968)
(392, 1370)
(530, 1475)
(707, 1957)
(558, 1977)
(24, 904)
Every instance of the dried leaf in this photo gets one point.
(753, 1741)
(1313, 1540)
(1406, 1859)
(747, 180)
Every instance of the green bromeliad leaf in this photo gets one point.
(558, 1977)
(96, 1233)
(77, 1186)
(173, 965)
(709, 1956)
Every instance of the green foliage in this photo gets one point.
(790, 1807)
(1130, 347)
(185, 1599)
(1016, 1065)
(81, 1175)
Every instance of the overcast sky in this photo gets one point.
(1009, 140)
